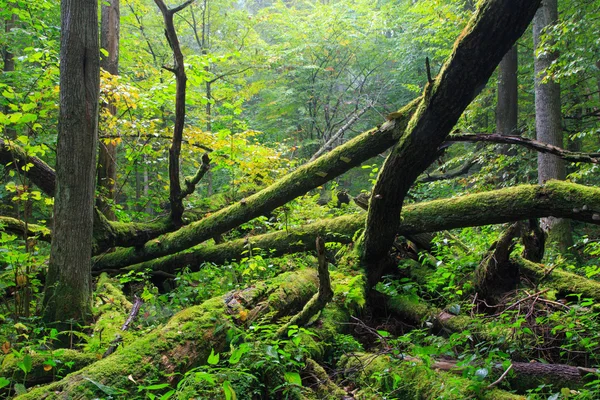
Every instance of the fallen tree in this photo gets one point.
(555, 198)
(186, 341)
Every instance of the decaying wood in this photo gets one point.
(379, 371)
(529, 375)
(496, 274)
(538, 146)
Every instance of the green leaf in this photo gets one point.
(293, 378)
(157, 386)
(213, 359)
(383, 333)
(27, 364)
(204, 377)
(236, 354)
(229, 392)
(167, 395)
(4, 382)
(105, 389)
(104, 52)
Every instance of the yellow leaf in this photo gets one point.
(47, 367)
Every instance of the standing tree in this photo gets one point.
(507, 107)
(68, 284)
(107, 166)
(548, 118)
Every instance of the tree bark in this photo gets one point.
(548, 118)
(68, 283)
(495, 27)
(40, 173)
(305, 178)
(107, 158)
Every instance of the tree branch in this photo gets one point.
(529, 143)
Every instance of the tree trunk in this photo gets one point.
(107, 158)
(175, 195)
(68, 283)
(493, 30)
(548, 119)
(508, 106)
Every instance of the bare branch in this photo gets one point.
(529, 143)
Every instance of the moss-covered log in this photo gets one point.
(419, 311)
(41, 174)
(185, 341)
(18, 227)
(530, 375)
(44, 365)
(556, 198)
(295, 184)
(566, 283)
(410, 380)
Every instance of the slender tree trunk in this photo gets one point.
(548, 120)
(68, 283)
(507, 108)
(107, 159)
(175, 196)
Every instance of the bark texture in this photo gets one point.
(305, 178)
(175, 193)
(68, 283)
(493, 30)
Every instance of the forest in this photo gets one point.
(299, 199)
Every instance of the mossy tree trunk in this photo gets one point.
(493, 30)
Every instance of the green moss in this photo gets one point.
(409, 380)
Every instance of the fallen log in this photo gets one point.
(185, 341)
(525, 375)
(556, 198)
(409, 380)
(566, 283)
